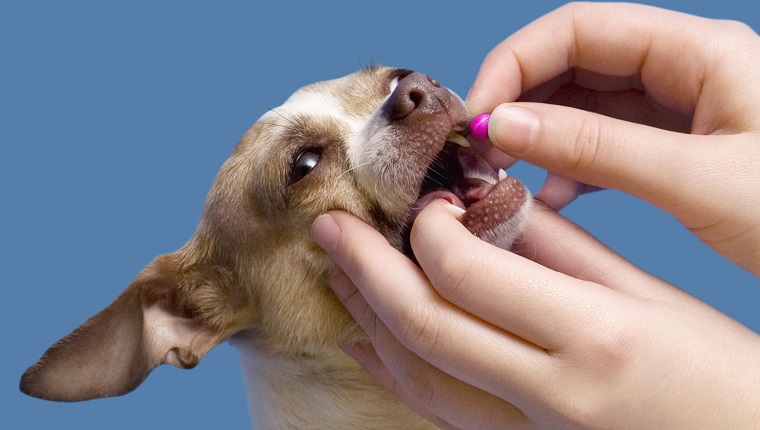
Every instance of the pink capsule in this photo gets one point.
(479, 127)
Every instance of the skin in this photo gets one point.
(563, 332)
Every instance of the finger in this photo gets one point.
(611, 39)
(606, 152)
(365, 354)
(367, 357)
(558, 192)
(632, 105)
(433, 394)
(425, 323)
(495, 157)
(542, 306)
(365, 255)
(555, 242)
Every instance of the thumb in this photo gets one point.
(597, 150)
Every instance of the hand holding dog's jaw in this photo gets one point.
(389, 282)
(501, 328)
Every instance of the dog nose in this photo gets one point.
(416, 93)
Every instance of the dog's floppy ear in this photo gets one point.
(149, 324)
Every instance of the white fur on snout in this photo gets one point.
(373, 155)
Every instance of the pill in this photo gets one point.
(479, 127)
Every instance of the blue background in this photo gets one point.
(116, 116)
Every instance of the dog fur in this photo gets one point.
(251, 274)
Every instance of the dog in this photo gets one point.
(379, 143)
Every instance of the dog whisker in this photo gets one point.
(353, 168)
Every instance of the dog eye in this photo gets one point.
(304, 163)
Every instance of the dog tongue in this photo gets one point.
(475, 190)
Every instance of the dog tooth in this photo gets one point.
(502, 174)
(458, 139)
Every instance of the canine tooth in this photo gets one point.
(502, 174)
(458, 139)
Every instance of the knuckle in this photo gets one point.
(610, 349)
(572, 7)
(585, 407)
(419, 329)
(453, 267)
(609, 341)
(585, 143)
(605, 354)
(582, 410)
(736, 27)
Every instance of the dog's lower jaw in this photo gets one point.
(327, 390)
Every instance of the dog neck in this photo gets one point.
(323, 391)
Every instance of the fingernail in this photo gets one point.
(513, 128)
(455, 210)
(325, 232)
(445, 200)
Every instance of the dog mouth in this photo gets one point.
(461, 176)
(458, 174)
(430, 126)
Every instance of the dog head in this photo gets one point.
(376, 143)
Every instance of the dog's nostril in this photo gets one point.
(412, 93)
(416, 98)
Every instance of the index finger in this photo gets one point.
(611, 39)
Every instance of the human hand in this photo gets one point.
(572, 337)
(657, 76)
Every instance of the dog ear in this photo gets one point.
(149, 324)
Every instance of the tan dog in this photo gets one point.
(378, 143)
